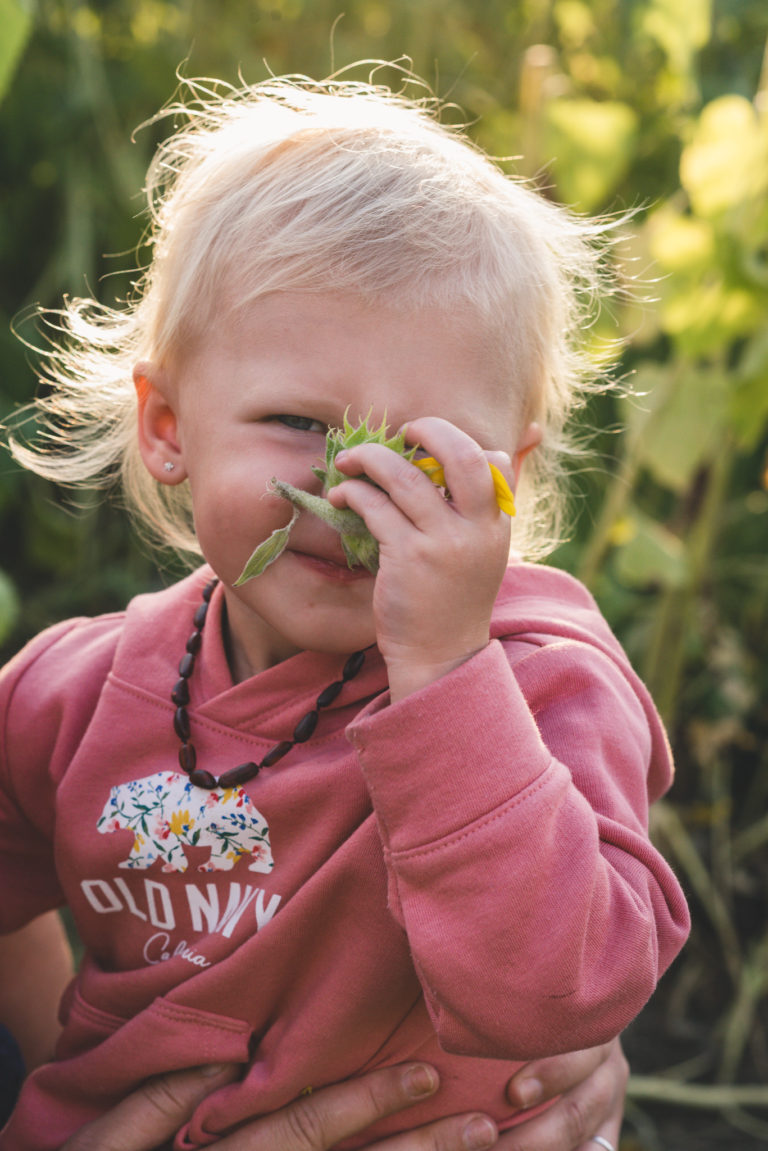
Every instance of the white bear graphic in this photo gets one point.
(165, 811)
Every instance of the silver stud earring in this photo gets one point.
(169, 466)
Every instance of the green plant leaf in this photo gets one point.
(704, 317)
(267, 552)
(680, 244)
(680, 411)
(9, 606)
(748, 411)
(726, 162)
(651, 555)
(15, 27)
(679, 27)
(592, 144)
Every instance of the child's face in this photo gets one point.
(254, 400)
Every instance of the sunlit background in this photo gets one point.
(660, 106)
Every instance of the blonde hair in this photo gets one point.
(293, 184)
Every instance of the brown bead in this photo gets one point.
(304, 728)
(187, 757)
(239, 775)
(181, 724)
(194, 641)
(203, 779)
(277, 753)
(199, 616)
(209, 589)
(328, 695)
(186, 665)
(180, 694)
(353, 665)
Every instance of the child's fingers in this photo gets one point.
(468, 469)
(465, 464)
(502, 461)
(403, 496)
(467, 474)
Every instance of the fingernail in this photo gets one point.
(420, 1080)
(529, 1091)
(479, 1134)
(212, 1069)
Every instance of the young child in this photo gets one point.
(277, 850)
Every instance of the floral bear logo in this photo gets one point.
(165, 813)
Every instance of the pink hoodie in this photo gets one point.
(463, 877)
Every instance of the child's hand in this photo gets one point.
(441, 561)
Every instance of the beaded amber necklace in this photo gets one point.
(244, 772)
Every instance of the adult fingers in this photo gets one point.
(456, 1133)
(152, 1115)
(610, 1128)
(545, 1078)
(593, 1107)
(319, 1121)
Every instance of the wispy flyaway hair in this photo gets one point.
(298, 185)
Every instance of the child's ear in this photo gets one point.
(530, 439)
(158, 426)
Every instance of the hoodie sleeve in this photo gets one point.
(512, 803)
(47, 696)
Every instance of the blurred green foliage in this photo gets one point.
(656, 105)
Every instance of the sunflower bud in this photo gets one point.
(359, 546)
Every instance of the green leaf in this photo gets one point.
(679, 413)
(592, 144)
(267, 552)
(726, 162)
(9, 606)
(748, 412)
(16, 25)
(652, 555)
(705, 317)
(680, 28)
(681, 244)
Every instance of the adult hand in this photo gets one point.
(152, 1115)
(591, 1086)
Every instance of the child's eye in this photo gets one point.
(302, 423)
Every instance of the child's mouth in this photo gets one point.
(332, 568)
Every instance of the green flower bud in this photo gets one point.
(359, 546)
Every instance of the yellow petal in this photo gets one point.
(504, 497)
(433, 469)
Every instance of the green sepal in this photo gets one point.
(361, 550)
(339, 439)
